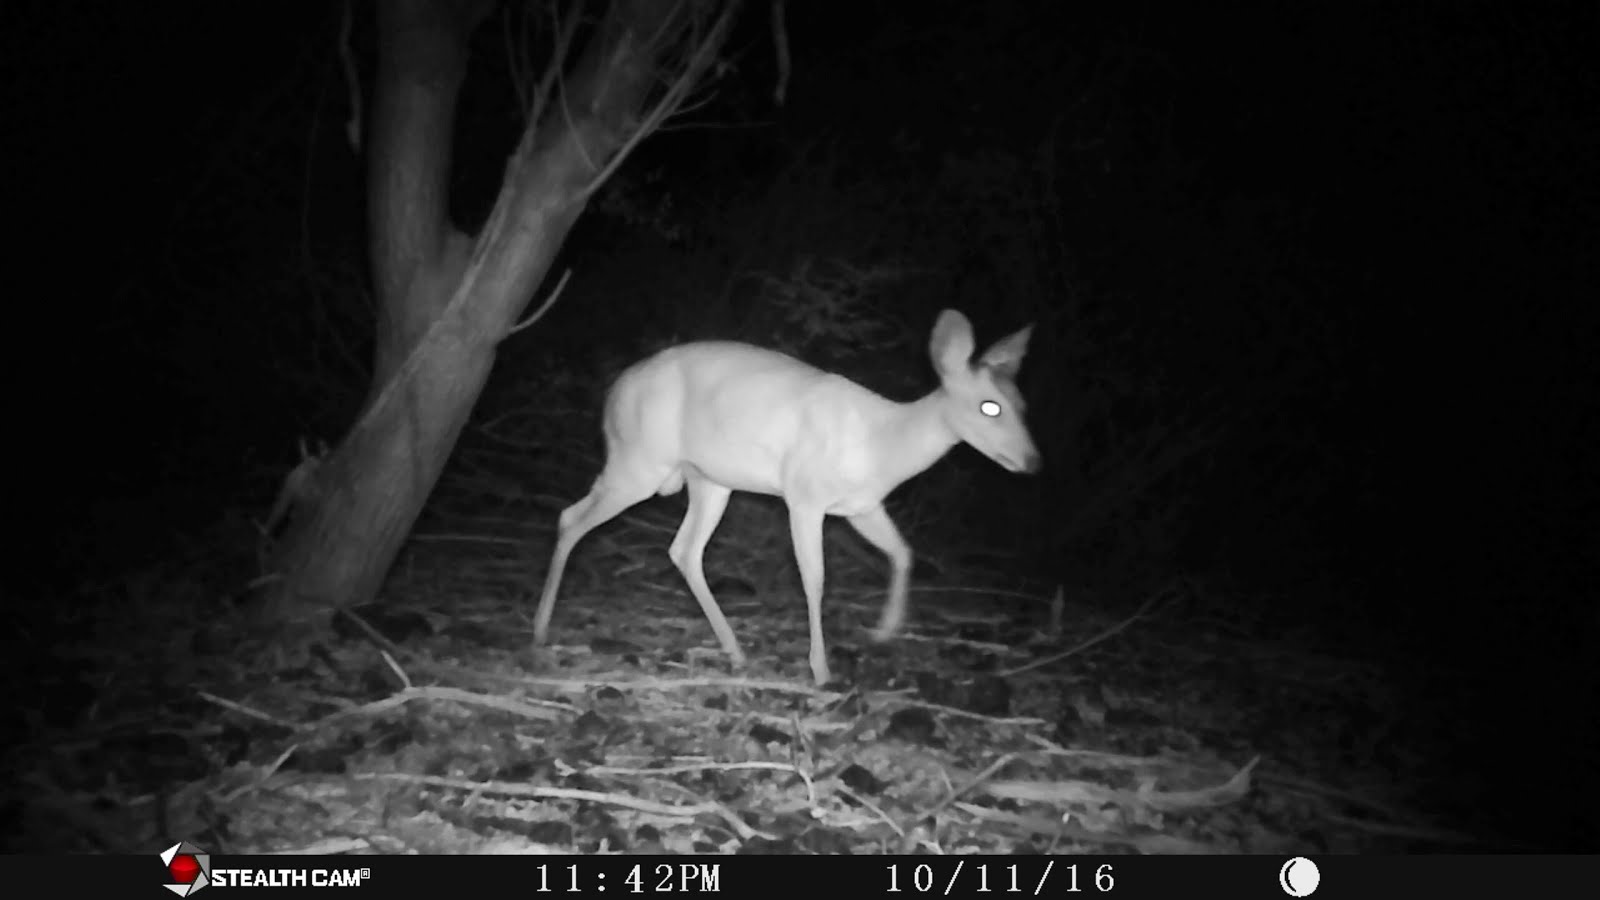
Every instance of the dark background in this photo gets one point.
(1364, 232)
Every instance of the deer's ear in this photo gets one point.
(951, 345)
(1005, 357)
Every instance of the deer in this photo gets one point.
(723, 416)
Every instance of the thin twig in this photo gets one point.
(599, 771)
(899, 832)
(969, 714)
(780, 44)
(352, 80)
(532, 709)
(255, 784)
(519, 75)
(552, 79)
(543, 308)
(405, 680)
(987, 773)
(669, 103)
(243, 710)
(626, 801)
(1104, 635)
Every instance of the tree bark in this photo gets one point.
(417, 253)
(445, 300)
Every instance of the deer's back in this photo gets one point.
(737, 412)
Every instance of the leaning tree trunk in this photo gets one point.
(447, 300)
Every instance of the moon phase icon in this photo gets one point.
(1299, 877)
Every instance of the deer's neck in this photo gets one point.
(916, 435)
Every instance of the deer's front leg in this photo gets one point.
(876, 526)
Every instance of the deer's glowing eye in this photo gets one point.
(989, 408)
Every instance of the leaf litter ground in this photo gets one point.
(1009, 718)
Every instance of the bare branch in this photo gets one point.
(706, 47)
(780, 47)
(558, 62)
(516, 56)
(543, 307)
(352, 80)
(572, 129)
